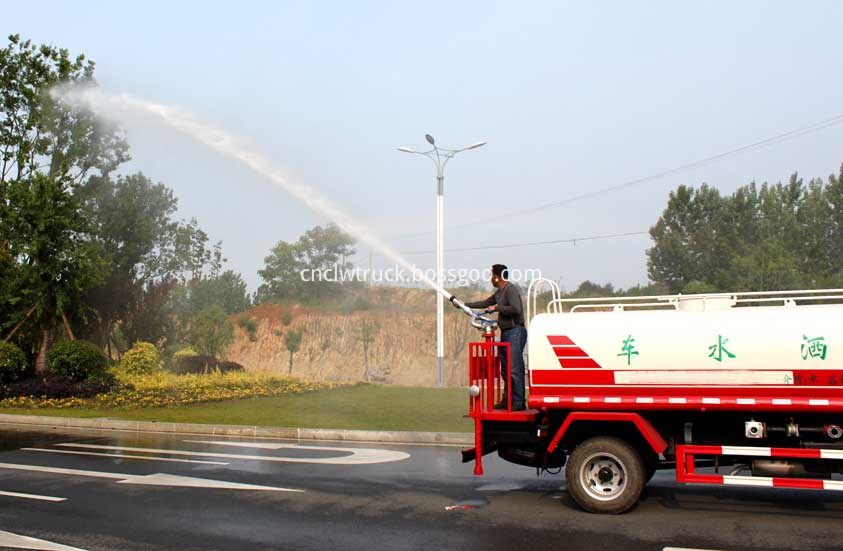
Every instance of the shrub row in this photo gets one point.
(73, 360)
(167, 389)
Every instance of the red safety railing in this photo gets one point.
(485, 373)
(484, 364)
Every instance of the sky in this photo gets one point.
(572, 98)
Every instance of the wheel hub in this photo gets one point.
(603, 476)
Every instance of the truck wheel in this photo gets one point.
(605, 475)
(651, 463)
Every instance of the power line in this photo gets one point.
(573, 240)
(809, 129)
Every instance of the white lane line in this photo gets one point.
(256, 445)
(121, 456)
(157, 479)
(32, 496)
(357, 456)
(8, 539)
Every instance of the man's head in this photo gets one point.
(500, 274)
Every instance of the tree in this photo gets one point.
(227, 290)
(688, 237)
(772, 237)
(152, 259)
(590, 289)
(55, 262)
(38, 132)
(133, 226)
(292, 341)
(366, 332)
(211, 332)
(46, 150)
(316, 252)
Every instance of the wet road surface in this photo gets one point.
(113, 490)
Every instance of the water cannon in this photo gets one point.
(479, 320)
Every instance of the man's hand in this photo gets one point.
(492, 308)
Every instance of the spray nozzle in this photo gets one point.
(478, 320)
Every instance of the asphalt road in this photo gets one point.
(98, 491)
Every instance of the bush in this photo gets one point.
(228, 367)
(12, 362)
(53, 386)
(77, 360)
(210, 331)
(141, 359)
(156, 390)
(204, 364)
(185, 352)
(250, 326)
(194, 364)
(287, 318)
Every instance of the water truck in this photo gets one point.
(739, 389)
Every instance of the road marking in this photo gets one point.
(32, 496)
(8, 539)
(358, 456)
(256, 445)
(121, 456)
(157, 479)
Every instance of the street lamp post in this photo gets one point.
(440, 157)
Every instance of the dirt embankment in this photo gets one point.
(394, 342)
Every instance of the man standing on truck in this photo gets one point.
(506, 301)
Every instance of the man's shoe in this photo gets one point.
(519, 407)
(499, 405)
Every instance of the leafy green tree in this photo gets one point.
(318, 250)
(46, 150)
(56, 262)
(227, 290)
(133, 227)
(292, 341)
(211, 331)
(590, 289)
(772, 237)
(155, 262)
(689, 245)
(36, 131)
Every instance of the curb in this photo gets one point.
(105, 423)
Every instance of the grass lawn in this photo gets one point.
(367, 407)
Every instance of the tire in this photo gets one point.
(605, 475)
(651, 464)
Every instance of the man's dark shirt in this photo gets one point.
(509, 307)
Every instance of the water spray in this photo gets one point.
(117, 106)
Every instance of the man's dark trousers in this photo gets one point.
(517, 338)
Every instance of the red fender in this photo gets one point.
(650, 434)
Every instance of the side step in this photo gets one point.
(685, 472)
(470, 454)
